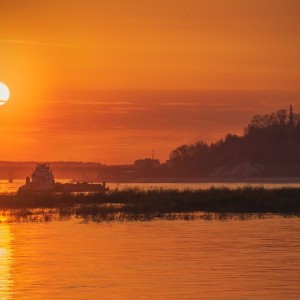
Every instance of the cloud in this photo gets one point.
(84, 101)
(180, 103)
(39, 43)
(219, 104)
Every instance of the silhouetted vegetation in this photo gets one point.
(270, 146)
(142, 205)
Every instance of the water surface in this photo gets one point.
(255, 259)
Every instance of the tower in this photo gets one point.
(291, 116)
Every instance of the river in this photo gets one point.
(254, 259)
(233, 259)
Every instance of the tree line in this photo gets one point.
(270, 142)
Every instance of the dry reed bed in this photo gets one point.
(146, 205)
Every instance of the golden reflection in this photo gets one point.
(3, 219)
(5, 261)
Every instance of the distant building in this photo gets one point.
(147, 163)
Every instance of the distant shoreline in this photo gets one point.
(196, 180)
(217, 180)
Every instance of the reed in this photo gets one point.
(144, 205)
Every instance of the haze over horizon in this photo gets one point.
(109, 81)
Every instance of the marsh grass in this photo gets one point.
(146, 205)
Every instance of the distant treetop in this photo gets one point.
(280, 118)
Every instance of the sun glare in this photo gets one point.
(5, 261)
(4, 93)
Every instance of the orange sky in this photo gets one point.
(111, 80)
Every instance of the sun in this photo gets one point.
(4, 93)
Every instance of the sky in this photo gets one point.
(112, 80)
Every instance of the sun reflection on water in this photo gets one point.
(5, 261)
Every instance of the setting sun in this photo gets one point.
(4, 93)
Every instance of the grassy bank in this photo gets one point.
(136, 204)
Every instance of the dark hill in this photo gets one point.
(269, 147)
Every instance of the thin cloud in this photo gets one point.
(39, 43)
(179, 103)
(85, 101)
(236, 109)
(127, 109)
(219, 104)
(104, 103)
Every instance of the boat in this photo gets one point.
(42, 181)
